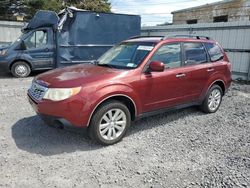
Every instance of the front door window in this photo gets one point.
(169, 54)
(37, 39)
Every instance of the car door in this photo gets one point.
(196, 68)
(163, 89)
(40, 48)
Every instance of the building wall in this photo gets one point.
(237, 10)
(9, 31)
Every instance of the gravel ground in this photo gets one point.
(185, 148)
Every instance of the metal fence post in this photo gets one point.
(248, 76)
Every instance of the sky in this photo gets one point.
(154, 12)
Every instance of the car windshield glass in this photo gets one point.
(126, 55)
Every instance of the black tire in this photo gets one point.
(20, 69)
(96, 120)
(205, 105)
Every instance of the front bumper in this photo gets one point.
(65, 113)
(4, 66)
(56, 121)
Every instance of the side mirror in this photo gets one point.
(156, 66)
(22, 45)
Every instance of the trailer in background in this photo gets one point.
(73, 36)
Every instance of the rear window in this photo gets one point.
(214, 52)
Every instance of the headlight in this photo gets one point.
(3, 52)
(58, 94)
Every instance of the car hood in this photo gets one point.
(78, 75)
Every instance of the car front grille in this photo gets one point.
(37, 91)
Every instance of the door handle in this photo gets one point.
(210, 69)
(180, 75)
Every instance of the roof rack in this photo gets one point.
(189, 36)
(139, 36)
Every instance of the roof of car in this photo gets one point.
(145, 39)
(178, 38)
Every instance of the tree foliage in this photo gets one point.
(34, 5)
(94, 5)
(29, 7)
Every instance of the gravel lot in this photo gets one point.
(177, 149)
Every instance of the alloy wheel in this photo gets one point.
(214, 99)
(21, 70)
(112, 124)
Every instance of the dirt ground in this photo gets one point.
(184, 148)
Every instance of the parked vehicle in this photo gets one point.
(141, 76)
(76, 36)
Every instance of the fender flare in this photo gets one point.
(108, 97)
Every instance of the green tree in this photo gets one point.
(5, 12)
(94, 5)
(30, 7)
(34, 5)
(3, 5)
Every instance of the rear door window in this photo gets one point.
(214, 52)
(194, 53)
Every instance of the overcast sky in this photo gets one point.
(154, 11)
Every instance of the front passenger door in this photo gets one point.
(164, 89)
(40, 48)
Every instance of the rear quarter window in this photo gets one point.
(214, 52)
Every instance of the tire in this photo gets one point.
(106, 131)
(212, 100)
(20, 69)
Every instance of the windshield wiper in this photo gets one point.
(106, 65)
(95, 62)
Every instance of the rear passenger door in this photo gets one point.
(196, 68)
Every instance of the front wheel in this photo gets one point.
(20, 69)
(110, 123)
(213, 100)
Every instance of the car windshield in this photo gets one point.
(125, 55)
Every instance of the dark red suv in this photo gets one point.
(141, 76)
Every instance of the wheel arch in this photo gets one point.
(22, 60)
(126, 100)
(220, 83)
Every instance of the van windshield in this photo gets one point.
(22, 37)
(125, 55)
(25, 35)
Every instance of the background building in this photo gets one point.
(223, 11)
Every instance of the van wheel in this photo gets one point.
(20, 69)
(213, 100)
(110, 123)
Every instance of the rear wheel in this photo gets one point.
(20, 69)
(213, 100)
(110, 123)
